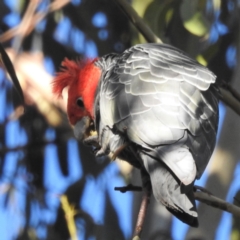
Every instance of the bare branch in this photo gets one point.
(127, 188)
(25, 23)
(231, 90)
(16, 114)
(138, 21)
(7, 65)
(217, 203)
(70, 213)
(56, 5)
(30, 20)
(203, 196)
(231, 101)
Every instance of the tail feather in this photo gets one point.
(167, 189)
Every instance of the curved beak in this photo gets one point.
(81, 128)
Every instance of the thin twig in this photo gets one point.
(33, 21)
(6, 63)
(231, 90)
(229, 100)
(128, 188)
(56, 5)
(25, 23)
(217, 203)
(70, 213)
(203, 196)
(16, 114)
(138, 21)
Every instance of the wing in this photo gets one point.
(164, 99)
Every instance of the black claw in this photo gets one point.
(95, 150)
(92, 140)
(100, 153)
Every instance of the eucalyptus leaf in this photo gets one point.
(197, 24)
(201, 60)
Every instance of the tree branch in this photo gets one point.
(30, 20)
(25, 23)
(217, 202)
(227, 97)
(231, 90)
(70, 213)
(128, 188)
(202, 196)
(138, 21)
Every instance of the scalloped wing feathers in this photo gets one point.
(158, 93)
(165, 103)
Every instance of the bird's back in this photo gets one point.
(165, 103)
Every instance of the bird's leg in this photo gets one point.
(111, 144)
(103, 139)
(120, 139)
(142, 214)
(147, 191)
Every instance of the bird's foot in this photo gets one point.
(100, 152)
(91, 141)
(113, 155)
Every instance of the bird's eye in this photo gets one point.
(80, 103)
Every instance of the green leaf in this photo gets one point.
(169, 15)
(201, 60)
(194, 20)
(197, 24)
(140, 6)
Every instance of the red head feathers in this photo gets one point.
(82, 79)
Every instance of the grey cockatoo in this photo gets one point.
(152, 106)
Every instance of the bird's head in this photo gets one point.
(80, 79)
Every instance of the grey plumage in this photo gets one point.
(164, 104)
